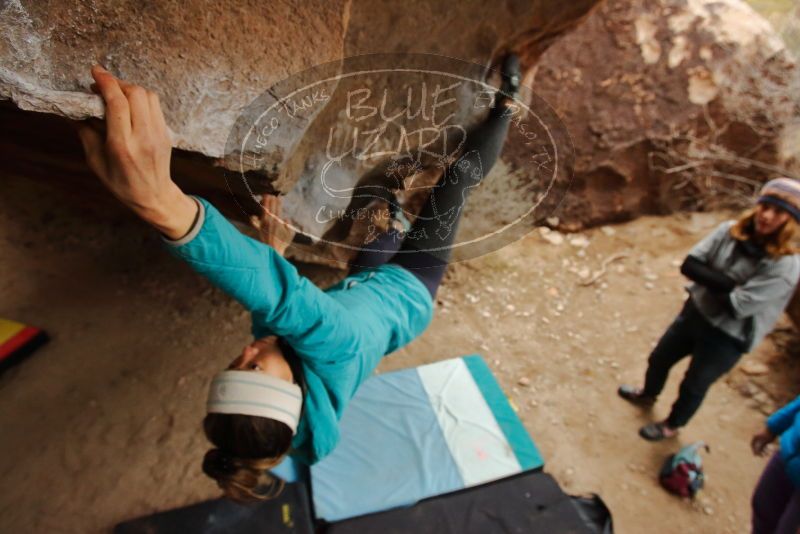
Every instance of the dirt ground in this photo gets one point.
(103, 423)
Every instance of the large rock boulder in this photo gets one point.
(668, 102)
(210, 62)
(671, 104)
(207, 60)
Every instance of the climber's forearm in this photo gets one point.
(132, 156)
(173, 214)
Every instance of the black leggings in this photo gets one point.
(426, 248)
(713, 352)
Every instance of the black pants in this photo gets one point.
(714, 353)
(425, 250)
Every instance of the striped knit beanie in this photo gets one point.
(784, 193)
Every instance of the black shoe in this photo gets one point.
(635, 396)
(510, 76)
(397, 217)
(657, 432)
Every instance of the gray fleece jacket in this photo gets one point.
(764, 286)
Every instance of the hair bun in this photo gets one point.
(239, 478)
(219, 464)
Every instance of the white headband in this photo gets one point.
(254, 393)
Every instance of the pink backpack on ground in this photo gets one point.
(682, 473)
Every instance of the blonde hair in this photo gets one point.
(777, 244)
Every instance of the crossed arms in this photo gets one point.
(741, 299)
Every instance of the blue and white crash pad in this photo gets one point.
(417, 433)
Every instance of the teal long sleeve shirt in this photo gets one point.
(339, 334)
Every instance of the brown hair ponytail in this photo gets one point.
(246, 447)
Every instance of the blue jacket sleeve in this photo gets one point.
(281, 301)
(780, 421)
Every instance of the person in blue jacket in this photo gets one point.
(776, 499)
(287, 390)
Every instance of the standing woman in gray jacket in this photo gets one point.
(743, 275)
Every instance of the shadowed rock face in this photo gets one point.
(654, 95)
(209, 62)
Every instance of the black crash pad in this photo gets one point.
(525, 503)
(288, 513)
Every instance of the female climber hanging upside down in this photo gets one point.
(286, 391)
